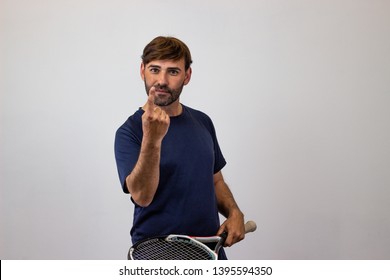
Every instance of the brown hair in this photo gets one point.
(161, 48)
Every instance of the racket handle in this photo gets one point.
(250, 226)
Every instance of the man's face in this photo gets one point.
(168, 77)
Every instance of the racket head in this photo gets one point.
(181, 247)
(171, 247)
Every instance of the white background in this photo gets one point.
(299, 92)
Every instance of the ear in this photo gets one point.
(188, 76)
(142, 71)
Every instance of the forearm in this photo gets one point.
(143, 181)
(227, 205)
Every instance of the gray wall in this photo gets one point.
(299, 92)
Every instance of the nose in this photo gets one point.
(162, 78)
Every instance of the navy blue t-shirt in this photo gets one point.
(185, 201)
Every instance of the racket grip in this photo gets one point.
(250, 226)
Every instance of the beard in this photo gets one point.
(172, 94)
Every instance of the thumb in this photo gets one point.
(221, 229)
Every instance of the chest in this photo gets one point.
(187, 145)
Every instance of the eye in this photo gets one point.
(173, 72)
(154, 70)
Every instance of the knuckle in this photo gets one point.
(147, 116)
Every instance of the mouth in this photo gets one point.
(163, 91)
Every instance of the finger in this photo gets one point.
(221, 229)
(167, 118)
(151, 96)
(229, 241)
(157, 113)
(232, 239)
(161, 113)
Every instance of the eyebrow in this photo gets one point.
(168, 68)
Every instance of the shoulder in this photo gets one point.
(197, 114)
(201, 118)
(132, 124)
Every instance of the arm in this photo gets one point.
(143, 180)
(227, 206)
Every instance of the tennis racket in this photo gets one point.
(181, 247)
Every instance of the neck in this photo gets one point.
(172, 110)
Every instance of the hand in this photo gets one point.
(235, 228)
(155, 122)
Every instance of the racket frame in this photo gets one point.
(210, 244)
(199, 242)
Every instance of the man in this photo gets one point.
(168, 156)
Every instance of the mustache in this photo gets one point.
(163, 88)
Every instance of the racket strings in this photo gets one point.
(160, 249)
